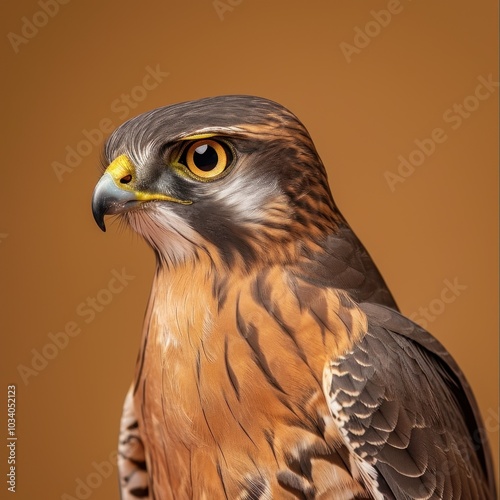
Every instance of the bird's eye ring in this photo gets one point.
(206, 158)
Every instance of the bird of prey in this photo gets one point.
(274, 362)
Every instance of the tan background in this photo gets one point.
(439, 224)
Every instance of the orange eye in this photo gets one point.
(207, 158)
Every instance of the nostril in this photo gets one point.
(126, 179)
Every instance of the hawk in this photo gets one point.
(274, 362)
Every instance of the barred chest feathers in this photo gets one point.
(236, 406)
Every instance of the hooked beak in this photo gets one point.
(115, 193)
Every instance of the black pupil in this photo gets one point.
(205, 158)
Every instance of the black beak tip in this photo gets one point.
(98, 211)
(99, 220)
(102, 226)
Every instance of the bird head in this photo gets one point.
(235, 175)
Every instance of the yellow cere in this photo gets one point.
(120, 167)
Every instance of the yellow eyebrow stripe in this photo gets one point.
(198, 136)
